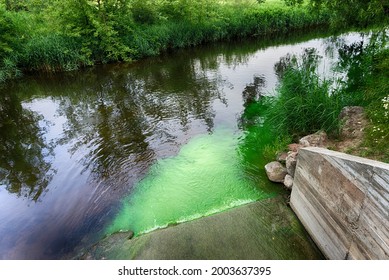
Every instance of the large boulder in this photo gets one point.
(353, 122)
(275, 171)
(294, 147)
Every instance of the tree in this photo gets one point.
(100, 24)
(10, 45)
(351, 11)
(25, 5)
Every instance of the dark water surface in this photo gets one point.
(137, 146)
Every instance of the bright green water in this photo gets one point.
(206, 177)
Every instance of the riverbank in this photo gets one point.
(283, 168)
(341, 199)
(68, 36)
(306, 102)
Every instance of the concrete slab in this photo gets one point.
(266, 229)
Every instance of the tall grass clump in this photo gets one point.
(305, 103)
(277, 17)
(53, 53)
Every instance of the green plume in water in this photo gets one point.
(207, 176)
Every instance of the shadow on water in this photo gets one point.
(87, 139)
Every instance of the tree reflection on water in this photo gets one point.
(24, 170)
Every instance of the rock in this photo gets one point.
(317, 139)
(288, 182)
(351, 111)
(294, 147)
(275, 171)
(281, 157)
(353, 122)
(291, 162)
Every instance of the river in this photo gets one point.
(136, 146)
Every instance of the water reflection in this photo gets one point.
(25, 169)
(253, 91)
(119, 121)
(107, 126)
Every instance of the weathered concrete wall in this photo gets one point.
(343, 202)
(265, 229)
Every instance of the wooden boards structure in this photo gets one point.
(343, 202)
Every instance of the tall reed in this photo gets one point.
(304, 103)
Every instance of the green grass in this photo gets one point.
(225, 22)
(305, 103)
(52, 53)
(376, 88)
(68, 36)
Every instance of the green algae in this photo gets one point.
(207, 176)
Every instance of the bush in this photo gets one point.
(144, 12)
(10, 45)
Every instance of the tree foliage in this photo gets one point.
(99, 23)
(58, 35)
(10, 46)
(351, 11)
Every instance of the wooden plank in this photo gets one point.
(343, 201)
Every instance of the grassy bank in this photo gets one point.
(67, 35)
(307, 103)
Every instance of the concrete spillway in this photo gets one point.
(266, 229)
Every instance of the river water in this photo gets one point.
(135, 146)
